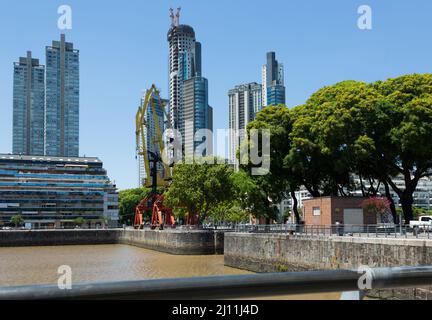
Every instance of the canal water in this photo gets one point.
(39, 265)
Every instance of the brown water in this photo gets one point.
(38, 265)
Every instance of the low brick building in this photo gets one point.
(327, 211)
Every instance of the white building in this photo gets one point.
(244, 103)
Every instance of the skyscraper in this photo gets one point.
(273, 89)
(28, 106)
(62, 99)
(197, 115)
(188, 89)
(244, 102)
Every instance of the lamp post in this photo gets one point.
(400, 222)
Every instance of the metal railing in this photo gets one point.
(368, 231)
(233, 286)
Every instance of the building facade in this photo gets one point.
(273, 88)
(62, 99)
(244, 102)
(188, 99)
(28, 106)
(347, 211)
(198, 115)
(54, 191)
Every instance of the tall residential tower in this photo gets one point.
(189, 109)
(62, 99)
(244, 102)
(28, 106)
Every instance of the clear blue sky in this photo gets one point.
(124, 50)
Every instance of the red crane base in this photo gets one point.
(161, 214)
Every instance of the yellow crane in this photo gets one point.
(152, 97)
(161, 215)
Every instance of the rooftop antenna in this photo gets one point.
(175, 19)
(178, 16)
(172, 17)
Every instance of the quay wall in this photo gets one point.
(283, 252)
(192, 242)
(169, 241)
(26, 238)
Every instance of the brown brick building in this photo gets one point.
(327, 211)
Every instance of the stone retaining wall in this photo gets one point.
(275, 252)
(170, 241)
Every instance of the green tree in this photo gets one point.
(376, 131)
(281, 180)
(330, 136)
(249, 195)
(128, 200)
(17, 220)
(79, 221)
(200, 186)
(406, 147)
(229, 211)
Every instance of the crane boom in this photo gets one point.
(146, 134)
(152, 97)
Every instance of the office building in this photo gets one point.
(188, 88)
(28, 106)
(62, 99)
(273, 89)
(244, 102)
(197, 115)
(54, 191)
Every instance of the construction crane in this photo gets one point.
(151, 160)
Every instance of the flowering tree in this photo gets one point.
(379, 206)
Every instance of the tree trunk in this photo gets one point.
(362, 186)
(407, 202)
(392, 204)
(294, 207)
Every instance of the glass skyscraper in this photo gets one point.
(28, 106)
(189, 109)
(197, 114)
(273, 89)
(62, 99)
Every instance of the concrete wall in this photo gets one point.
(194, 242)
(273, 253)
(170, 241)
(56, 237)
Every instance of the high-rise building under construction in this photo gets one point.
(188, 100)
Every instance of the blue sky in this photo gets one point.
(124, 50)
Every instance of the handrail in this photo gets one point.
(231, 286)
